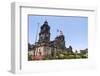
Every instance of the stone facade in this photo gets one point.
(45, 47)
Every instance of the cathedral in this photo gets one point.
(44, 47)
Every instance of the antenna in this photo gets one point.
(37, 32)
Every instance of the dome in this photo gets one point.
(46, 22)
(45, 25)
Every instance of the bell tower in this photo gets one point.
(44, 35)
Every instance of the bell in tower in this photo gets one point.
(44, 35)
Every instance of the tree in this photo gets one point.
(29, 46)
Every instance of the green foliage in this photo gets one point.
(65, 55)
(69, 55)
(29, 57)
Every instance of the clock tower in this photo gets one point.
(44, 35)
